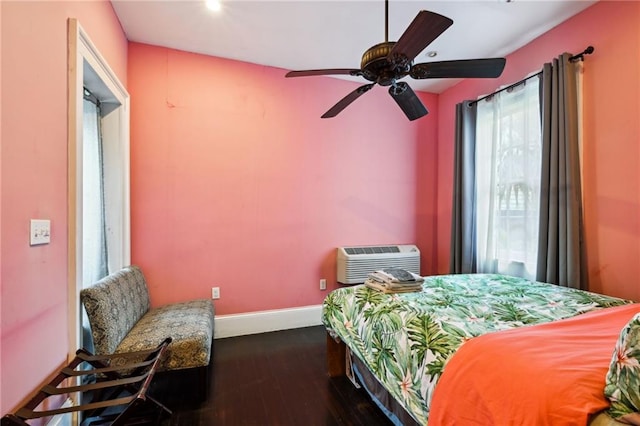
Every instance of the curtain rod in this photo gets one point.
(511, 86)
(580, 56)
(588, 51)
(90, 96)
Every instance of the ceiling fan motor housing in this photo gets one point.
(377, 67)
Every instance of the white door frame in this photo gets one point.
(87, 67)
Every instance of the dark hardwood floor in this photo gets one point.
(277, 378)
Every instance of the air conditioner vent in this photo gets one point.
(372, 249)
(354, 264)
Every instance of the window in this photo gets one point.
(517, 204)
(508, 164)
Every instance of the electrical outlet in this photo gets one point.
(215, 292)
(323, 284)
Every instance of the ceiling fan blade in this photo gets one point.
(466, 68)
(346, 101)
(424, 28)
(331, 71)
(408, 101)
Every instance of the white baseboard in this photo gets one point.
(265, 321)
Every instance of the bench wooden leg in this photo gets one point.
(336, 357)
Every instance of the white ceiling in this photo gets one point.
(305, 34)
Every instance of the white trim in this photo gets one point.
(266, 321)
(91, 54)
(82, 51)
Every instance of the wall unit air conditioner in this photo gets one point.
(355, 263)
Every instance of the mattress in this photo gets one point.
(406, 339)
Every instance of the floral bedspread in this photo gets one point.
(406, 339)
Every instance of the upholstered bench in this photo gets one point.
(121, 319)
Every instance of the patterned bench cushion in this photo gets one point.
(189, 324)
(118, 309)
(114, 305)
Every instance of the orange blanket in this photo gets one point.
(547, 374)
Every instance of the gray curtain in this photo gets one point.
(463, 224)
(560, 251)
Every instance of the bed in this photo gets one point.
(417, 353)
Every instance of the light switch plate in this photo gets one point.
(40, 232)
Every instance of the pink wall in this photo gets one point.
(34, 314)
(611, 137)
(237, 182)
(1, 208)
(427, 186)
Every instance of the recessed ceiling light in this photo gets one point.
(432, 53)
(214, 5)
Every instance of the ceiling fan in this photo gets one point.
(386, 63)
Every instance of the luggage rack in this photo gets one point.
(117, 396)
